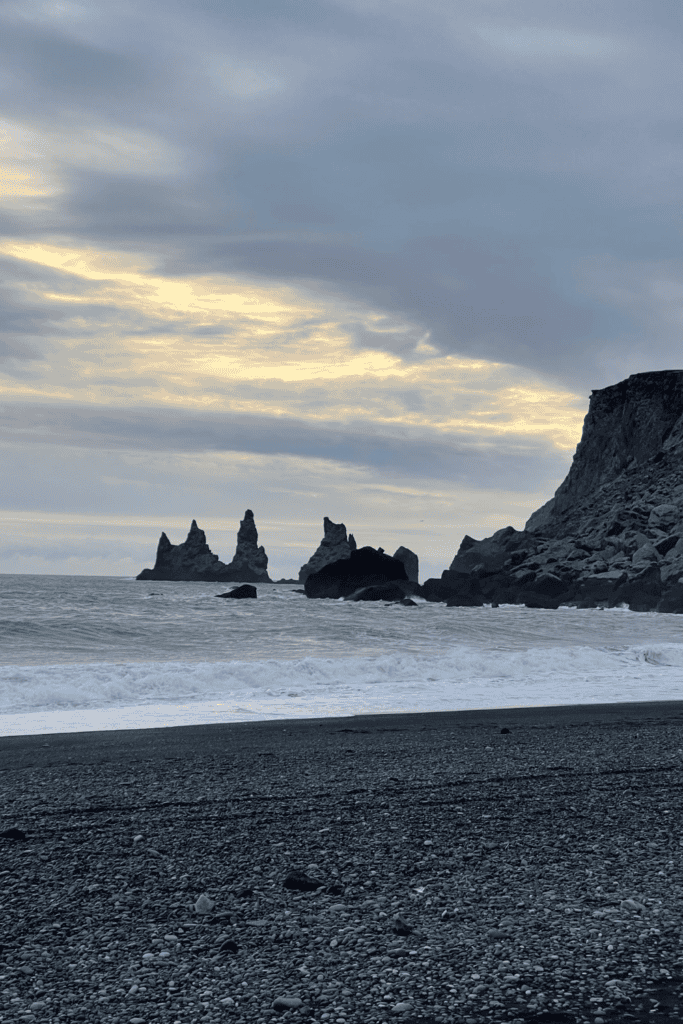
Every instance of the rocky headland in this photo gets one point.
(334, 547)
(194, 562)
(613, 532)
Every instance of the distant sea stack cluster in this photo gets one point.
(612, 534)
(194, 562)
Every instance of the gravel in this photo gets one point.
(466, 875)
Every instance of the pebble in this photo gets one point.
(511, 922)
(287, 1003)
(204, 905)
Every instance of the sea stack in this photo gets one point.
(334, 546)
(250, 562)
(194, 562)
(613, 532)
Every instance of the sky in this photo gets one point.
(347, 258)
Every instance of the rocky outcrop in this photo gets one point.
(364, 568)
(334, 547)
(613, 532)
(411, 562)
(194, 562)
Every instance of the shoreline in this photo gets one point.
(245, 734)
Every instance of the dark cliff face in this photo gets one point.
(613, 533)
(627, 424)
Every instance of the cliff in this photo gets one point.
(613, 532)
(193, 560)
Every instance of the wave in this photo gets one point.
(460, 675)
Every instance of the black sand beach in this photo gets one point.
(467, 874)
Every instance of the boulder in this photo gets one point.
(246, 590)
(365, 567)
(411, 562)
(334, 547)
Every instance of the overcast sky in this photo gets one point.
(350, 258)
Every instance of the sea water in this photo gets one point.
(89, 653)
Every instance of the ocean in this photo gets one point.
(82, 653)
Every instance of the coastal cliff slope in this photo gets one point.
(613, 532)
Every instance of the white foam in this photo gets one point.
(84, 697)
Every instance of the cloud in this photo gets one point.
(450, 166)
(404, 453)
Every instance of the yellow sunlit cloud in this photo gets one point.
(220, 343)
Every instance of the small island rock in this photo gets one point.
(365, 567)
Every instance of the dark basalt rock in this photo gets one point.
(612, 534)
(366, 567)
(193, 560)
(411, 562)
(246, 590)
(334, 547)
(301, 882)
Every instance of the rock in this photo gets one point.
(411, 562)
(204, 905)
(228, 946)
(401, 926)
(408, 602)
(193, 560)
(645, 555)
(250, 562)
(287, 1003)
(401, 1007)
(13, 833)
(300, 881)
(246, 590)
(332, 548)
(664, 517)
(613, 532)
(365, 567)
